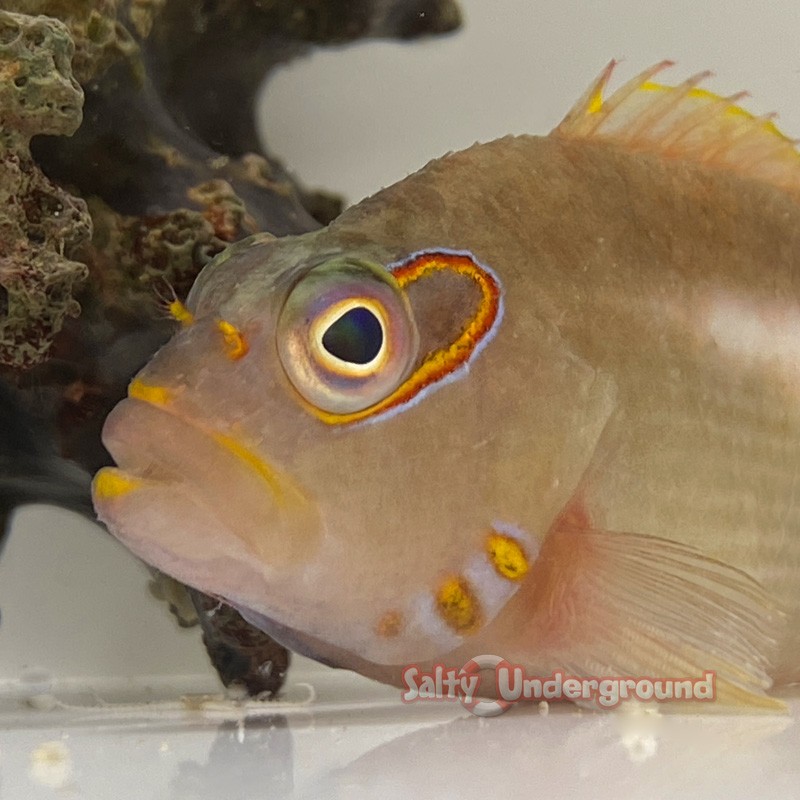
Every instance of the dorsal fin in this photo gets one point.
(687, 123)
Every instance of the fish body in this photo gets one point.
(538, 399)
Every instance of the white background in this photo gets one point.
(360, 119)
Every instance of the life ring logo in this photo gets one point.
(484, 707)
(448, 683)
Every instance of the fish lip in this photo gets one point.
(253, 502)
(283, 490)
(162, 400)
(117, 480)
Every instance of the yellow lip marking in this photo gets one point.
(236, 346)
(155, 395)
(109, 483)
(507, 556)
(283, 488)
(458, 606)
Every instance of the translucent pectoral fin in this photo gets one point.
(621, 605)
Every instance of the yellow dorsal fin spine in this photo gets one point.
(685, 122)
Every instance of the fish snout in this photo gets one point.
(183, 492)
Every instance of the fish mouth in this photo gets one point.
(185, 495)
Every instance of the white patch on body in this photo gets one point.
(757, 331)
(492, 590)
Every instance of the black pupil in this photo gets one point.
(355, 337)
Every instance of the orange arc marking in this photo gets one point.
(442, 362)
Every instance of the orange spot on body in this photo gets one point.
(458, 606)
(390, 625)
(236, 346)
(507, 556)
(224, 220)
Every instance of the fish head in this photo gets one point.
(337, 445)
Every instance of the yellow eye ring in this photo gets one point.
(328, 318)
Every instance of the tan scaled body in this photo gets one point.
(596, 471)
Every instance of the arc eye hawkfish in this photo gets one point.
(539, 399)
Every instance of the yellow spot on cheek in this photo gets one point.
(155, 395)
(507, 556)
(179, 312)
(390, 625)
(235, 344)
(110, 483)
(458, 605)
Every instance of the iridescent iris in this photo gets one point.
(346, 337)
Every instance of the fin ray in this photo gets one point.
(631, 605)
(685, 122)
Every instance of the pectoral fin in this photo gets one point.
(612, 604)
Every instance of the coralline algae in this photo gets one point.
(145, 164)
(41, 225)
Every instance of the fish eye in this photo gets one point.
(352, 336)
(346, 337)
